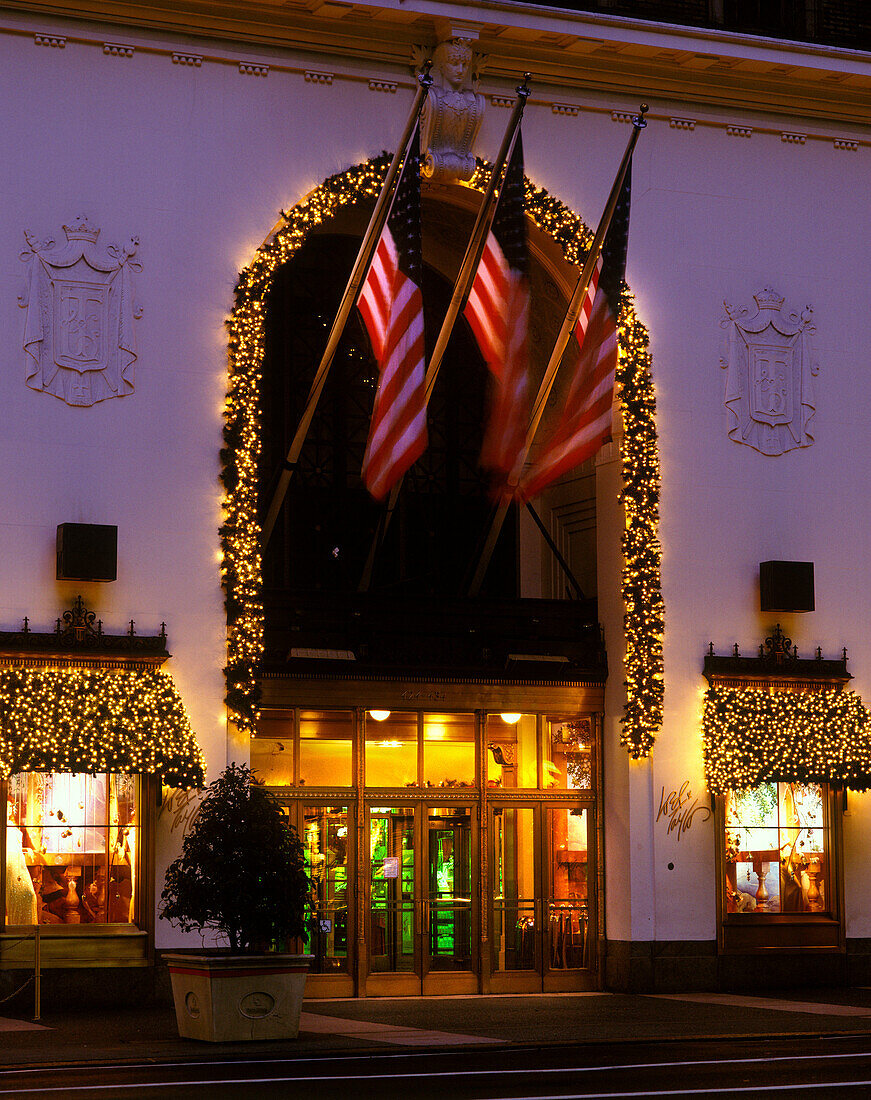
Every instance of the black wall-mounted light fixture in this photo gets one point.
(87, 552)
(786, 586)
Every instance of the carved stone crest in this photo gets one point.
(452, 114)
(770, 364)
(80, 310)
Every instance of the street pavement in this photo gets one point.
(440, 1023)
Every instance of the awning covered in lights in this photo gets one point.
(753, 734)
(96, 720)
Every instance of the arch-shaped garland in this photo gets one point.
(240, 532)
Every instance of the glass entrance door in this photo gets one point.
(422, 935)
(542, 934)
(450, 941)
(570, 957)
(393, 933)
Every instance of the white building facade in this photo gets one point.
(163, 170)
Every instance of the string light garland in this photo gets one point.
(240, 532)
(96, 720)
(754, 735)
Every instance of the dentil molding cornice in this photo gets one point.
(565, 50)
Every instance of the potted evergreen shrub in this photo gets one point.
(241, 874)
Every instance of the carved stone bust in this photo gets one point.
(452, 115)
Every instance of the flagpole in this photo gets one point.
(462, 285)
(358, 275)
(568, 325)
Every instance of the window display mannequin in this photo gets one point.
(21, 906)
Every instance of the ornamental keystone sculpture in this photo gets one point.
(770, 364)
(452, 114)
(80, 310)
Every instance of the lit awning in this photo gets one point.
(753, 735)
(96, 720)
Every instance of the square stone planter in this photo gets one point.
(231, 998)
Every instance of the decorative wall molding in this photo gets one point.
(59, 41)
(622, 116)
(249, 69)
(187, 59)
(791, 138)
(771, 366)
(312, 77)
(565, 109)
(389, 86)
(116, 49)
(501, 101)
(79, 335)
(682, 123)
(740, 131)
(846, 145)
(79, 633)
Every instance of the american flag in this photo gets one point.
(585, 424)
(498, 313)
(391, 305)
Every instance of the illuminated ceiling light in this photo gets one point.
(510, 717)
(379, 715)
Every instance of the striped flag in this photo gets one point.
(391, 305)
(498, 313)
(585, 424)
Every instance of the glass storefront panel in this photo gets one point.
(511, 750)
(776, 848)
(449, 750)
(272, 750)
(568, 914)
(391, 933)
(449, 870)
(71, 848)
(391, 749)
(513, 840)
(568, 754)
(325, 843)
(326, 739)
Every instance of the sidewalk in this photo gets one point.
(343, 1027)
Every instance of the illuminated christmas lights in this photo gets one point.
(96, 720)
(753, 735)
(240, 534)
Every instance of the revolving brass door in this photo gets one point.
(421, 905)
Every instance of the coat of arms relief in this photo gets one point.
(80, 310)
(771, 366)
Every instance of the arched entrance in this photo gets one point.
(459, 852)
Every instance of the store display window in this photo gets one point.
(777, 849)
(391, 748)
(449, 750)
(511, 750)
(568, 754)
(72, 842)
(326, 739)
